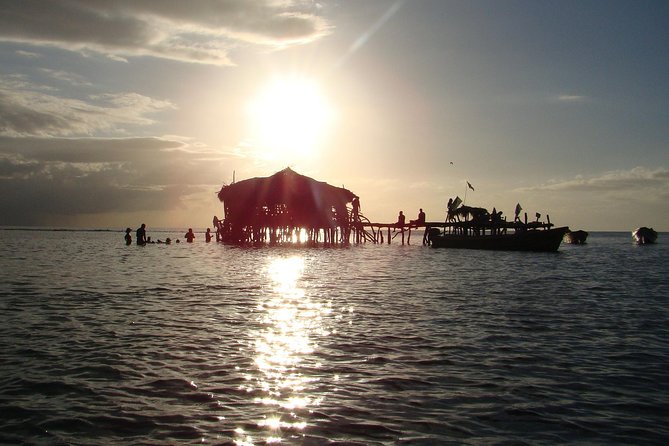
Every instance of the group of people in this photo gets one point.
(142, 239)
(401, 219)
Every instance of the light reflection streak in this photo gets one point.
(284, 346)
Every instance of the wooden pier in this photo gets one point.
(366, 231)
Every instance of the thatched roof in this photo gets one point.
(307, 201)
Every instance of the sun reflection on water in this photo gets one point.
(290, 322)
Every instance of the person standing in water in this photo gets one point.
(141, 235)
(128, 237)
(189, 236)
(207, 235)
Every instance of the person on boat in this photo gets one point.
(141, 235)
(517, 212)
(189, 236)
(207, 235)
(128, 237)
(452, 208)
(401, 219)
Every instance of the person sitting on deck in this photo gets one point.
(420, 220)
(401, 220)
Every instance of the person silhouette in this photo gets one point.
(141, 235)
(128, 237)
(189, 236)
(420, 220)
(401, 219)
(207, 235)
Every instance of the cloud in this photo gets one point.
(201, 32)
(28, 54)
(67, 77)
(569, 98)
(44, 178)
(28, 110)
(626, 182)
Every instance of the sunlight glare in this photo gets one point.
(289, 118)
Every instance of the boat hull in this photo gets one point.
(575, 237)
(644, 236)
(531, 240)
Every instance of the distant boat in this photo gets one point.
(522, 238)
(644, 235)
(576, 237)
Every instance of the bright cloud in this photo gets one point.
(27, 110)
(168, 30)
(569, 98)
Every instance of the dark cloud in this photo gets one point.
(201, 32)
(43, 178)
(86, 150)
(16, 118)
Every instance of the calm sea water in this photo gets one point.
(102, 343)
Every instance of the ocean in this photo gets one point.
(107, 344)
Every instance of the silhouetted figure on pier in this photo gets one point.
(451, 209)
(218, 227)
(141, 235)
(128, 237)
(355, 211)
(189, 236)
(420, 220)
(401, 220)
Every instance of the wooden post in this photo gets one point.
(389, 235)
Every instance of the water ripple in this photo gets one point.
(373, 345)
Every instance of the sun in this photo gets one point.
(289, 118)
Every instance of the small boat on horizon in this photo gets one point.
(576, 237)
(644, 235)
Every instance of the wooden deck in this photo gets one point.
(386, 232)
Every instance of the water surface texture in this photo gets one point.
(102, 343)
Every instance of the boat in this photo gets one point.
(644, 235)
(520, 239)
(575, 237)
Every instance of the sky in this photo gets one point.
(117, 113)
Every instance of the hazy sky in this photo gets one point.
(115, 112)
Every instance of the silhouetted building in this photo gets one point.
(275, 209)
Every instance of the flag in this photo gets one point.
(518, 209)
(469, 185)
(457, 202)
